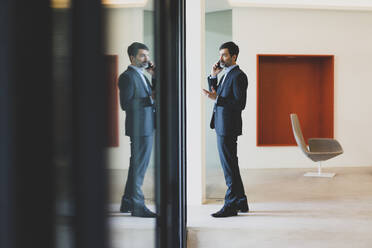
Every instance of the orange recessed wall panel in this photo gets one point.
(111, 62)
(301, 84)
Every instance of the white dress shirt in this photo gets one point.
(140, 72)
(227, 70)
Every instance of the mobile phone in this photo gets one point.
(149, 66)
(219, 65)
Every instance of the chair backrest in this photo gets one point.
(298, 133)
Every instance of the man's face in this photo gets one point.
(226, 59)
(142, 58)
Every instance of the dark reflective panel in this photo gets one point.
(130, 78)
(62, 119)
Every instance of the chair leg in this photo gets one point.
(319, 173)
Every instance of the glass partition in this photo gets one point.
(131, 80)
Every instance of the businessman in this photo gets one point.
(230, 98)
(137, 101)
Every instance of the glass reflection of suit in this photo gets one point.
(136, 101)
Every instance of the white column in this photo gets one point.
(195, 77)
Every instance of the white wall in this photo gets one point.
(123, 26)
(195, 80)
(148, 32)
(347, 35)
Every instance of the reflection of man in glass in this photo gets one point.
(136, 100)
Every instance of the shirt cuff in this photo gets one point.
(212, 77)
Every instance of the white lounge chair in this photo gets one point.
(319, 149)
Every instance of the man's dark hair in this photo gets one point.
(134, 47)
(232, 47)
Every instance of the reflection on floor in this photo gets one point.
(125, 230)
(286, 210)
(128, 231)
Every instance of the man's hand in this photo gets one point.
(151, 68)
(215, 70)
(212, 95)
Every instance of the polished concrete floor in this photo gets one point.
(128, 231)
(286, 210)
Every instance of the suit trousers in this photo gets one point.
(227, 149)
(141, 147)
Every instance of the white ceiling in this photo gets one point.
(363, 5)
(218, 5)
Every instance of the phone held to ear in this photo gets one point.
(219, 65)
(150, 66)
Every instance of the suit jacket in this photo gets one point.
(136, 101)
(231, 99)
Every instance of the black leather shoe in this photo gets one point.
(126, 208)
(242, 206)
(226, 211)
(144, 212)
(126, 205)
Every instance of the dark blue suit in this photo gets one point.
(227, 121)
(135, 100)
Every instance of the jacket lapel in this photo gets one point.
(227, 80)
(219, 88)
(148, 85)
(139, 79)
(219, 91)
